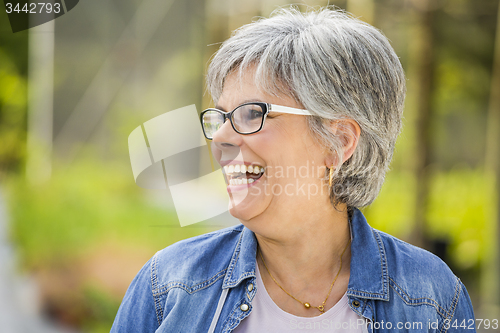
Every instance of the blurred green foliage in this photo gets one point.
(86, 204)
(461, 212)
(101, 309)
(13, 95)
(464, 36)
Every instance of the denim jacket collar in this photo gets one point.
(367, 256)
(242, 264)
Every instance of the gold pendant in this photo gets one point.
(321, 308)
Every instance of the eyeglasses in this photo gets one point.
(247, 118)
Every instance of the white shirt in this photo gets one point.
(267, 317)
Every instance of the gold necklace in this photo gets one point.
(307, 305)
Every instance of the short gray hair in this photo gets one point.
(337, 67)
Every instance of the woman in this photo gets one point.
(308, 109)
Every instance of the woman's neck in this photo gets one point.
(314, 245)
(304, 257)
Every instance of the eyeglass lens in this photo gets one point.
(246, 119)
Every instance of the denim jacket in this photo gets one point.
(207, 284)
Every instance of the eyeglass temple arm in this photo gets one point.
(286, 109)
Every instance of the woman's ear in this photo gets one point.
(349, 131)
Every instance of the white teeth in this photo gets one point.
(241, 181)
(242, 168)
(234, 172)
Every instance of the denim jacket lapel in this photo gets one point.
(242, 264)
(369, 272)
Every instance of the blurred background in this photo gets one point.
(74, 227)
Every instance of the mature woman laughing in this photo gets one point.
(308, 109)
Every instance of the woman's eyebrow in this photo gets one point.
(256, 100)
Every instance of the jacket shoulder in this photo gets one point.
(195, 259)
(417, 275)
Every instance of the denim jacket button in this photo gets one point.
(244, 307)
(356, 304)
(250, 287)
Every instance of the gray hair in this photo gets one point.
(338, 68)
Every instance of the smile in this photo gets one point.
(241, 174)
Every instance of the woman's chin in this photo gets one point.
(238, 211)
(243, 210)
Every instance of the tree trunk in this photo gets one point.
(424, 77)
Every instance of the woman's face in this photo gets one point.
(294, 162)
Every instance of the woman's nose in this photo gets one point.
(225, 133)
(226, 138)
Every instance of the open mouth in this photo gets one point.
(240, 174)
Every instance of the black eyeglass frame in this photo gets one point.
(265, 106)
